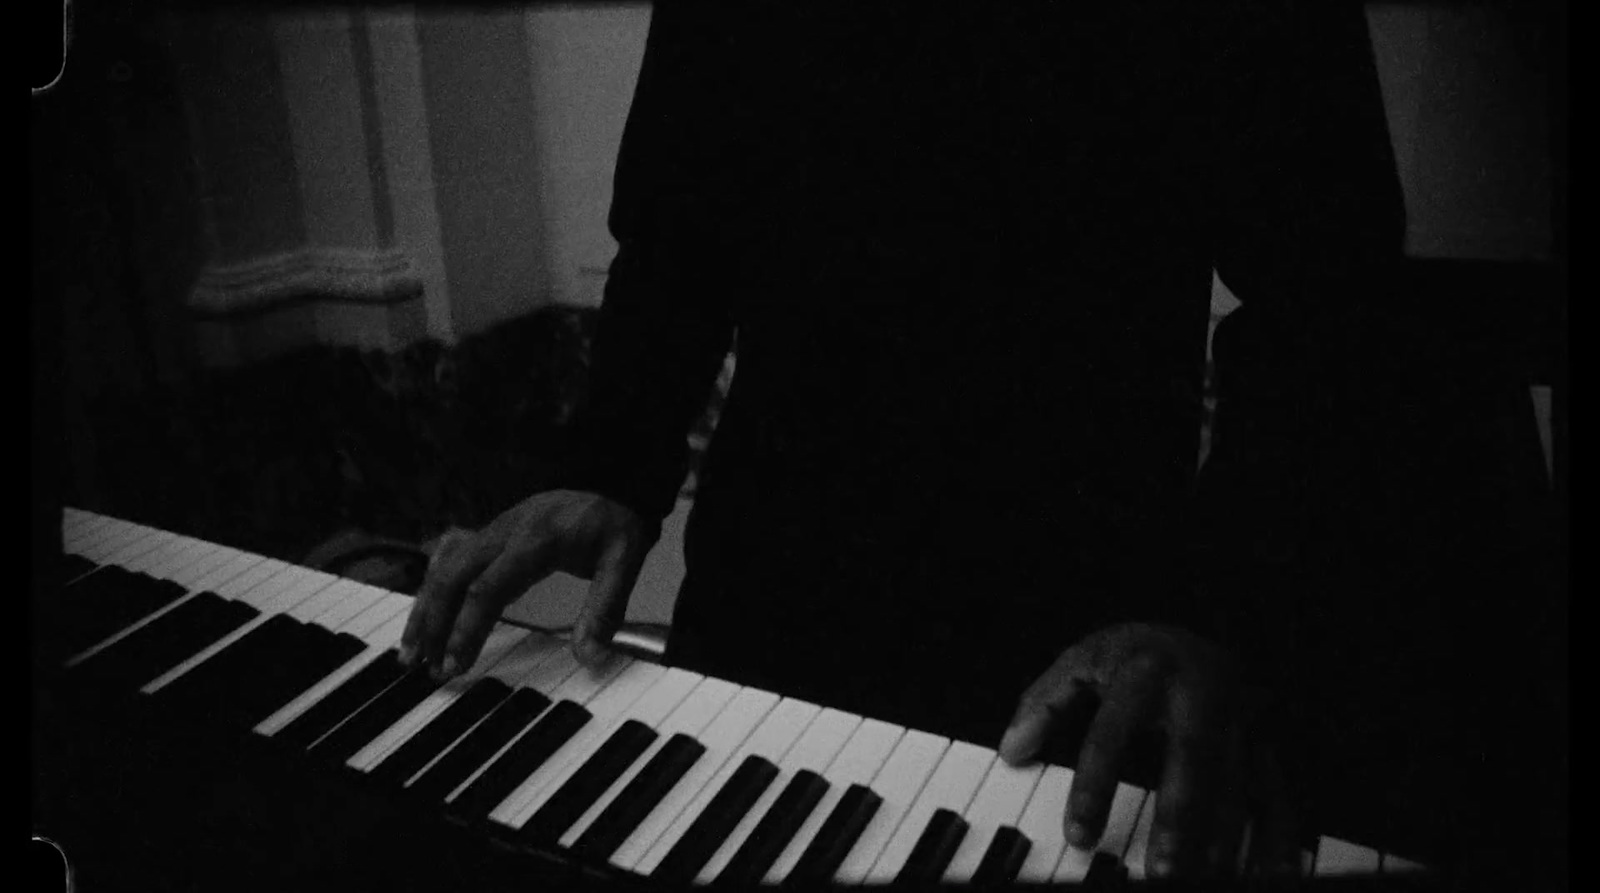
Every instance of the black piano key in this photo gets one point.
(168, 640)
(821, 860)
(553, 729)
(1106, 872)
(1003, 859)
(638, 798)
(164, 591)
(483, 742)
(87, 601)
(207, 683)
(934, 849)
(440, 732)
(348, 697)
(290, 674)
(684, 861)
(767, 841)
(579, 792)
(104, 602)
(375, 717)
(72, 567)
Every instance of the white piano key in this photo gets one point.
(156, 561)
(1139, 843)
(167, 559)
(1042, 823)
(1336, 857)
(815, 749)
(256, 575)
(502, 640)
(135, 542)
(1126, 804)
(175, 554)
(296, 590)
(137, 546)
(269, 600)
(517, 667)
(1073, 865)
(265, 593)
(380, 639)
(389, 608)
(554, 670)
(899, 783)
(863, 755)
(779, 727)
(189, 574)
(78, 526)
(718, 730)
(645, 693)
(610, 687)
(338, 604)
(1392, 864)
(951, 786)
(116, 539)
(998, 802)
(89, 541)
(237, 564)
(1114, 840)
(145, 553)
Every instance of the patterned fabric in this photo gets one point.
(284, 455)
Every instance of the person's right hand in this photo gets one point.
(473, 576)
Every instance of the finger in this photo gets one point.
(1199, 775)
(454, 565)
(434, 586)
(1040, 706)
(603, 611)
(1129, 703)
(506, 577)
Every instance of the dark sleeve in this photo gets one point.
(664, 326)
(1309, 227)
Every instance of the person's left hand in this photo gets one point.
(1213, 776)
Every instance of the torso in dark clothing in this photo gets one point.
(971, 331)
(968, 260)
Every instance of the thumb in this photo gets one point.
(603, 611)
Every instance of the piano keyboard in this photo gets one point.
(659, 773)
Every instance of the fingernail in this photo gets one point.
(1161, 866)
(408, 655)
(451, 666)
(1078, 834)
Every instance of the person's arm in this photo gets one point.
(664, 327)
(1309, 225)
(664, 331)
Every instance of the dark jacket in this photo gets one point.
(968, 259)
